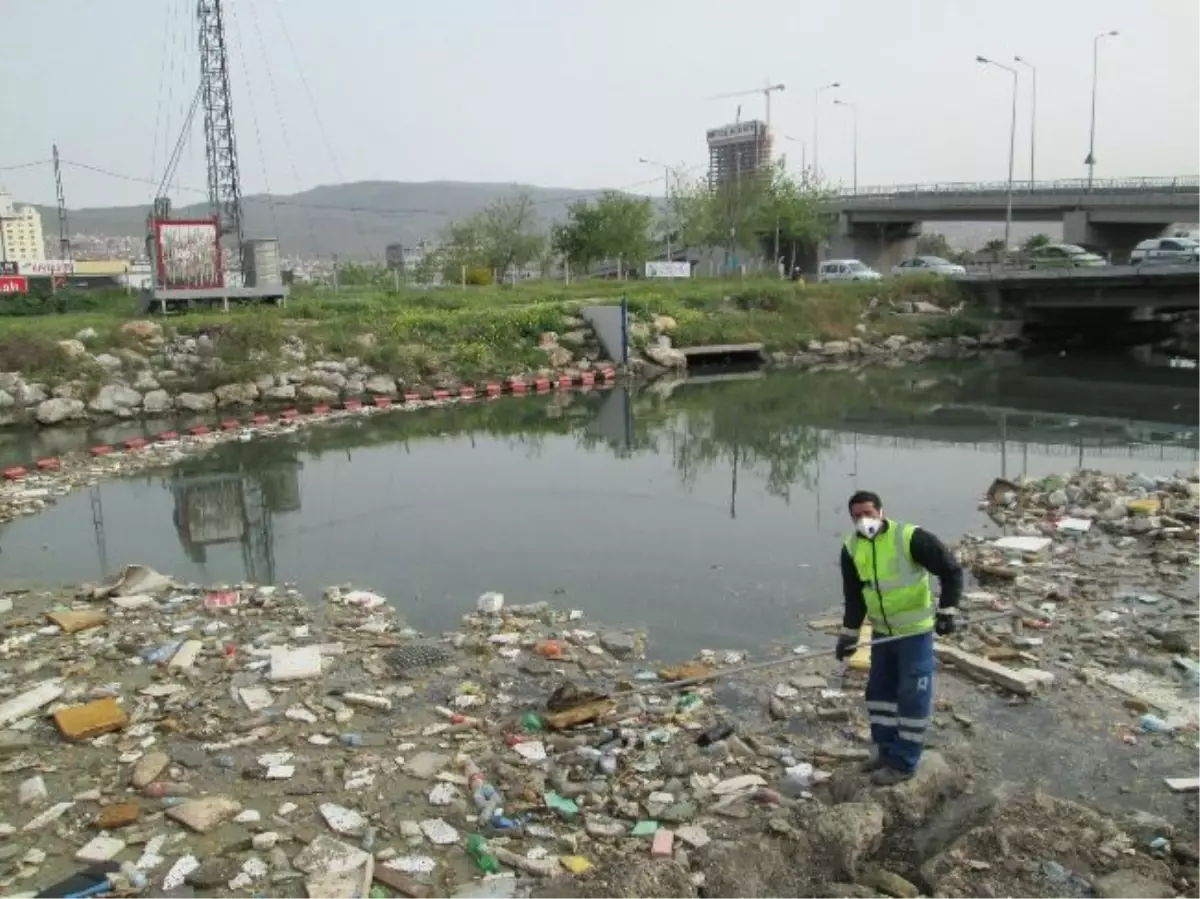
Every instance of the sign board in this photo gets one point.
(668, 269)
(8, 267)
(13, 284)
(739, 133)
(46, 267)
(188, 254)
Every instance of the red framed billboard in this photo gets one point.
(188, 254)
(13, 284)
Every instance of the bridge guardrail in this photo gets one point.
(1179, 184)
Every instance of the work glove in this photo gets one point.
(944, 625)
(845, 647)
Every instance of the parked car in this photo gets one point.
(934, 265)
(846, 270)
(1063, 255)
(1165, 250)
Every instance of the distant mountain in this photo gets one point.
(355, 221)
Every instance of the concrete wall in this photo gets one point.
(879, 245)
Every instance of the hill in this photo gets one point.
(355, 221)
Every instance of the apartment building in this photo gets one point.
(21, 236)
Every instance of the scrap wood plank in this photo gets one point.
(589, 711)
(984, 669)
(1182, 784)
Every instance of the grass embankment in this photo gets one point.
(488, 331)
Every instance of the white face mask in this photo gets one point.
(868, 527)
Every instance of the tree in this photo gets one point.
(504, 235)
(1034, 242)
(934, 244)
(615, 226)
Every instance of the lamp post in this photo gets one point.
(1012, 145)
(1090, 162)
(1032, 114)
(817, 125)
(854, 118)
(666, 197)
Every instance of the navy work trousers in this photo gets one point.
(900, 698)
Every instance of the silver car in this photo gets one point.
(846, 270)
(1164, 250)
(934, 265)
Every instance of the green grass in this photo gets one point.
(491, 331)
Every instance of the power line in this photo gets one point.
(25, 165)
(262, 158)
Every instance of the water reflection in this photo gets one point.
(708, 507)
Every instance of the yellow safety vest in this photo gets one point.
(896, 589)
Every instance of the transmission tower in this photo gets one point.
(220, 149)
(64, 242)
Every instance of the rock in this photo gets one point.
(665, 323)
(32, 791)
(910, 802)
(196, 402)
(923, 308)
(28, 394)
(116, 399)
(1144, 827)
(381, 384)
(426, 764)
(1130, 885)
(72, 349)
(281, 393)
(146, 381)
(120, 814)
(666, 356)
(317, 394)
(85, 334)
(623, 646)
(678, 813)
(322, 377)
(236, 394)
(51, 412)
(108, 361)
(143, 330)
(213, 873)
(559, 356)
(835, 348)
(148, 768)
(6, 400)
(895, 342)
(157, 401)
(202, 815)
(848, 833)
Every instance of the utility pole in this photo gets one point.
(817, 126)
(1012, 145)
(1090, 162)
(64, 241)
(220, 146)
(1032, 115)
(666, 198)
(854, 119)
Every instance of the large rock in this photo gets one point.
(143, 330)
(108, 361)
(623, 646)
(559, 356)
(116, 399)
(381, 384)
(848, 833)
(236, 394)
(51, 412)
(283, 393)
(909, 802)
(196, 402)
(157, 401)
(318, 394)
(666, 356)
(6, 400)
(72, 349)
(836, 348)
(146, 381)
(27, 394)
(326, 378)
(1131, 885)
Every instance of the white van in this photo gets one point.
(846, 270)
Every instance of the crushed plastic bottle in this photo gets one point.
(531, 722)
(477, 849)
(1152, 724)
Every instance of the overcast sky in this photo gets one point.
(569, 93)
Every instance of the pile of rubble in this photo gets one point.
(171, 739)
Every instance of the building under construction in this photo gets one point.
(737, 151)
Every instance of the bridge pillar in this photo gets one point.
(879, 244)
(1115, 240)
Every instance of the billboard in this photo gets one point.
(101, 267)
(46, 267)
(8, 267)
(188, 254)
(735, 134)
(668, 269)
(13, 284)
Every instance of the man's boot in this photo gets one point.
(887, 776)
(874, 763)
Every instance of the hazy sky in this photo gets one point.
(569, 93)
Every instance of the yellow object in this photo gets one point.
(576, 864)
(861, 660)
(1144, 506)
(101, 267)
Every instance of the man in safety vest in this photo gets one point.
(885, 577)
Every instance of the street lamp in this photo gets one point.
(803, 154)
(666, 197)
(817, 124)
(1012, 144)
(1032, 114)
(854, 118)
(1090, 162)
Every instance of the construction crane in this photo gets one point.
(765, 91)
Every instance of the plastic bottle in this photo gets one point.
(487, 799)
(531, 722)
(477, 849)
(160, 789)
(1152, 724)
(608, 763)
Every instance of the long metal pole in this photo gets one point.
(1091, 157)
(1012, 150)
(817, 126)
(1032, 117)
(854, 113)
(667, 206)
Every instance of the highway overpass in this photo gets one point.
(880, 224)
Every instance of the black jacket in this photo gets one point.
(927, 551)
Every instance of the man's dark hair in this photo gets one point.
(865, 496)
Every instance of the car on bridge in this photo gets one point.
(846, 270)
(933, 265)
(1165, 250)
(1062, 255)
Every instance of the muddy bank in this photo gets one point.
(236, 740)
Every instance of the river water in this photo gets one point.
(707, 513)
